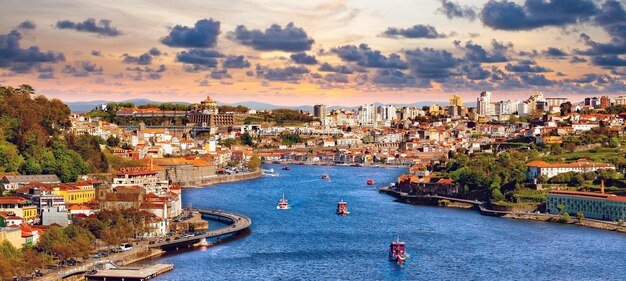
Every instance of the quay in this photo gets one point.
(430, 199)
(130, 274)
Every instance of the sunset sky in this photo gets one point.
(307, 52)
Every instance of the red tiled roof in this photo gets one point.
(602, 196)
(581, 164)
(13, 200)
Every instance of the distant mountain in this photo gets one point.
(85, 106)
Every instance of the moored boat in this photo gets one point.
(342, 208)
(370, 182)
(283, 204)
(325, 177)
(286, 168)
(397, 251)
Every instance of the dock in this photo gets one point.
(129, 273)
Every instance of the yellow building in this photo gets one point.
(75, 193)
(552, 140)
(19, 206)
(13, 235)
(455, 100)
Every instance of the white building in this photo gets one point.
(537, 168)
(484, 105)
(367, 115)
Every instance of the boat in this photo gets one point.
(286, 168)
(325, 177)
(356, 165)
(342, 208)
(397, 251)
(370, 182)
(283, 204)
(270, 173)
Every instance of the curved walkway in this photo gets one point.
(238, 223)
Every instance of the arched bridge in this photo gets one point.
(236, 224)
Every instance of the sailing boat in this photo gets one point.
(283, 204)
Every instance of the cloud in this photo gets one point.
(392, 77)
(416, 31)
(526, 66)
(326, 67)
(537, 80)
(336, 78)
(46, 75)
(143, 59)
(506, 15)
(102, 28)
(577, 59)
(202, 35)
(474, 71)
(612, 12)
(609, 60)
(454, 10)
(274, 38)
(235, 62)
(365, 56)
(476, 53)
(82, 69)
(303, 58)
(288, 74)
(154, 52)
(19, 60)
(96, 53)
(199, 59)
(431, 64)
(147, 73)
(27, 24)
(554, 52)
(220, 74)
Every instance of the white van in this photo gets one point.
(126, 247)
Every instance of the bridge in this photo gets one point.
(236, 224)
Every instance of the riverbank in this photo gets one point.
(356, 165)
(449, 202)
(199, 183)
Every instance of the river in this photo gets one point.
(310, 242)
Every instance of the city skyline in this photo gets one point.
(336, 53)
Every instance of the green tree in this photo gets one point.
(246, 139)
(580, 216)
(496, 195)
(31, 167)
(613, 142)
(254, 163)
(10, 158)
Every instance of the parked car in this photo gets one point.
(151, 242)
(126, 247)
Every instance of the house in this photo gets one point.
(12, 182)
(19, 206)
(30, 235)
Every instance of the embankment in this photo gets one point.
(224, 179)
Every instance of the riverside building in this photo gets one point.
(593, 205)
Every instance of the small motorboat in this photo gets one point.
(397, 251)
(356, 165)
(370, 182)
(286, 168)
(342, 208)
(283, 204)
(325, 177)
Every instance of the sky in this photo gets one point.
(343, 52)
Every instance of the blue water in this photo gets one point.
(310, 242)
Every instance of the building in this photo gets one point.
(456, 100)
(484, 105)
(319, 111)
(78, 193)
(209, 106)
(556, 101)
(52, 215)
(19, 206)
(13, 182)
(367, 115)
(601, 206)
(537, 168)
(13, 235)
(604, 102)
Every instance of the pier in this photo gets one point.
(130, 274)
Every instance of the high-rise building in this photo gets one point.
(484, 105)
(621, 100)
(367, 115)
(389, 113)
(557, 101)
(604, 102)
(506, 107)
(455, 100)
(319, 111)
